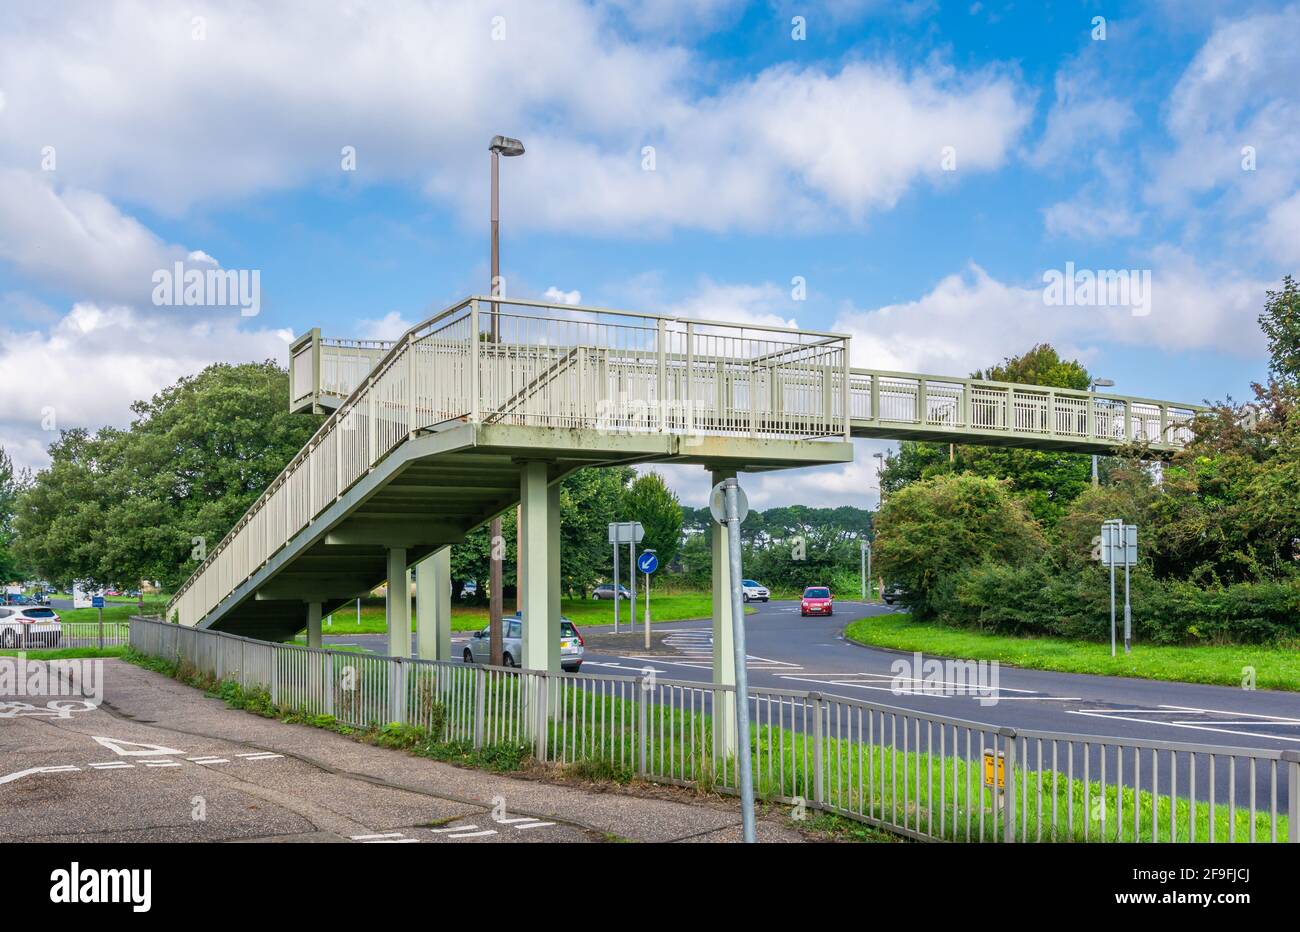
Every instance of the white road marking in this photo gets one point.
(1144, 721)
(376, 836)
(513, 821)
(1183, 708)
(534, 825)
(161, 763)
(262, 756)
(113, 765)
(453, 828)
(120, 746)
(208, 760)
(10, 778)
(490, 831)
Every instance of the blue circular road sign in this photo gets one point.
(647, 563)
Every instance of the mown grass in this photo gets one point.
(1272, 667)
(66, 653)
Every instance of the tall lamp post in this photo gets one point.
(499, 146)
(880, 487)
(1096, 384)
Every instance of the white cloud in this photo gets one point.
(389, 327)
(761, 305)
(1241, 89)
(1079, 219)
(1282, 230)
(127, 97)
(88, 368)
(968, 321)
(1082, 117)
(556, 296)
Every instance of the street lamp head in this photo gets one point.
(1103, 383)
(506, 146)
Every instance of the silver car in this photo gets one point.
(479, 649)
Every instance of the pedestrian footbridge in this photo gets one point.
(491, 402)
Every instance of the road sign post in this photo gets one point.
(1119, 548)
(647, 563)
(98, 602)
(729, 506)
(620, 533)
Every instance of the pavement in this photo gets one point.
(156, 760)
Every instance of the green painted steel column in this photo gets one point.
(398, 605)
(433, 606)
(313, 624)
(540, 589)
(724, 656)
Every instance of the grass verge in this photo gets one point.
(1229, 665)
(66, 653)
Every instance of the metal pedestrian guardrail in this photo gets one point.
(925, 776)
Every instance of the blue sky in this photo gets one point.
(136, 134)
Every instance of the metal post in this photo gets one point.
(1292, 759)
(1110, 536)
(1128, 614)
(870, 594)
(1094, 470)
(647, 611)
(862, 560)
(631, 571)
(819, 745)
(617, 588)
(742, 685)
(1009, 781)
(101, 627)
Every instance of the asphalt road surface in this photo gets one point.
(154, 760)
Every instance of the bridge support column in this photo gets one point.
(540, 580)
(398, 605)
(724, 655)
(313, 624)
(433, 606)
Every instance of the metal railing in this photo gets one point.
(925, 776)
(942, 403)
(548, 366)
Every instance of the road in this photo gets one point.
(790, 652)
(154, 760)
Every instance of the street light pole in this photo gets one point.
(731, 504)
(499, 146)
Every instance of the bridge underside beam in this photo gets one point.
(995, 438)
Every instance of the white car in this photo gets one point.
(752, 591)
(29, 626)
(479, 650)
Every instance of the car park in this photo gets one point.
(479, 648)
(751, 590)
(24, 627)
(606, 591)
(816, 601)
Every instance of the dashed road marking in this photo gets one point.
(385, 838)
(208, 760)
(490, 831)
(533, 825)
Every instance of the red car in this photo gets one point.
(816, 601)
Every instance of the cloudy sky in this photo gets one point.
(921, 165)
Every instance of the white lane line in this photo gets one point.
(1145, 721)
(1183, 708)
(1250, 721)
(161, 763)
(533, 825)
(376, 836)
(394, 841)
(490, 831)
(454, 828)
(208, 760)
(260, 755)
(513, 821)
(112, 765)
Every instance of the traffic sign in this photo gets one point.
(626, 532)
(97, 601)
(647, 562)
(718, 503)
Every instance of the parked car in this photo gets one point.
(16, 598)
(816, 601)
(606, 591)
(751, 590)
(479, 649)
(893, 593)
(21, 628)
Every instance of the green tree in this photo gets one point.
(650, 501)
(12, 483)
(1045, 480)
(930, 531)
(121, 506)
(1280, 321)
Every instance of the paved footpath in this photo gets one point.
(159, 761)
